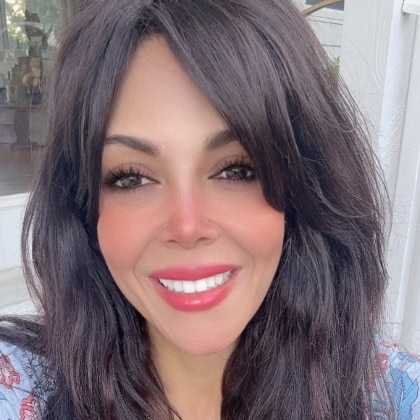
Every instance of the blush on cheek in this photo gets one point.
(273, 234)
(117, 239)
(266, 228)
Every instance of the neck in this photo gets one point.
(192, 383)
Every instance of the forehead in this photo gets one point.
(158, 100)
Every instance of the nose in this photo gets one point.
(187, 223)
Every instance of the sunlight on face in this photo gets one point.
(184, 227)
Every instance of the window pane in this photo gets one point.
(28, 38)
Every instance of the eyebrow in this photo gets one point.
(142, 144)
(219, 139)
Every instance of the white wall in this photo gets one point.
(14, 297)
(380, 61)
(11, 213)
(328, 25)
(404, 255)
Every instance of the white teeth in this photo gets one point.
(201, 285)
(196, 286)
(211, 282)
(188, 287)
(178, 286)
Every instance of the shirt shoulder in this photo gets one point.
(401, 371)
(24, 383)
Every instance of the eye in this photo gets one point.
(127, 179)
(238, 171)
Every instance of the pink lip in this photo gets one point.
(190, 302)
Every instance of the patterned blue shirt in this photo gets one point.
(402, 374)
(25, 385)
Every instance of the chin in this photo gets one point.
(210, 347)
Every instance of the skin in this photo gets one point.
(183, 210)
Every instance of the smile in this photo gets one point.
(196, 286)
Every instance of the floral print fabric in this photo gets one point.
(402, 374)
(25, 384)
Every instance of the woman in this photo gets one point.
(206, 227)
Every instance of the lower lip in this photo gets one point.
(191, 302)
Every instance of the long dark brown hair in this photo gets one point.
(309, 352)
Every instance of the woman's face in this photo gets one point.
(184, 227)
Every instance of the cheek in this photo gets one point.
(268, 235)
(121, 236)
(267, 249)
(260, 228)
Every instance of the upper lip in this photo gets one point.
(196, 272)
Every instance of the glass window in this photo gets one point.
(29, 30)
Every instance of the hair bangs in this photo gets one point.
(229, 60)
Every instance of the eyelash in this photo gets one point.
(242, 163)
(124, 174)
(137, 175)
